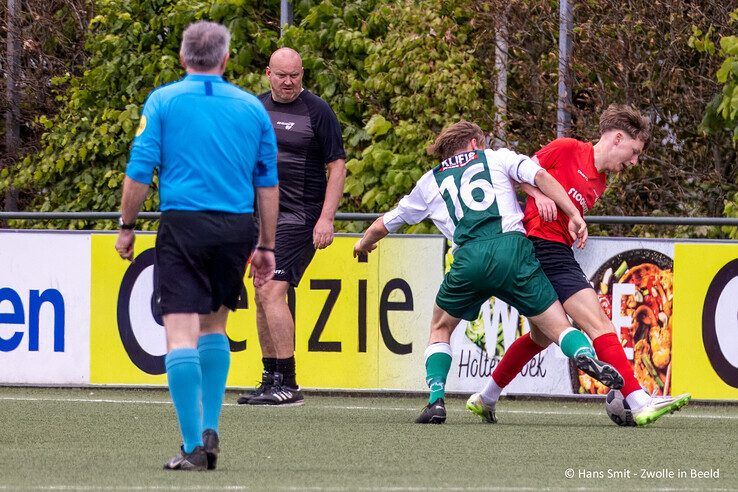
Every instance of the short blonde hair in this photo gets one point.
(628, 119)
(454, 138)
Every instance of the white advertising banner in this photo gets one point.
(635, 275)
(44, 308)
(479, 345)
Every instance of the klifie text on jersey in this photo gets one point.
(458, 160)
(579, 198)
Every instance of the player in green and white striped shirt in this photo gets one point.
(470, 196)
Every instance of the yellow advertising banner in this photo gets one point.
(360, 324)
(123, 324)
(705, 345)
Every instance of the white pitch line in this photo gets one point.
(522, 412)
(243, 487)
(84, 400)
(332, 488)
(350, 407)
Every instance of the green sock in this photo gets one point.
(573, 342)
(437, 365)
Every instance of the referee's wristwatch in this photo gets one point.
(124, 226)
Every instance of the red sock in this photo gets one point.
(516, 357)
(609, 350)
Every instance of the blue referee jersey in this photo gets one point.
(212, 143)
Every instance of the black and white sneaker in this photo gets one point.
(197, 460)
(267, 381)
(279, 395)
(601, 371)
(211, 443)
(433, 413)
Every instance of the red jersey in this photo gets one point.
(571, 163)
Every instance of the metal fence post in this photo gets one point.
(285, 16)
(566, 26)
(501, 51)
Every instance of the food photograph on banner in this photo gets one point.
(634, 282)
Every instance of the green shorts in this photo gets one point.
(504, 267)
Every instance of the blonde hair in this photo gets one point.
(628, 119)
(454, 138)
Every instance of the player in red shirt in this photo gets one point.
(582, 169)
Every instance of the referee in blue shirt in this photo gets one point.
(213, 147)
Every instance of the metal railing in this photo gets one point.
(367, 217)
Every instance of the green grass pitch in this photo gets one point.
(69, 439)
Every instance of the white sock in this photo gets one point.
(491, 393)
(637, 399)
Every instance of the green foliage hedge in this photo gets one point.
(133, 47)
(722, 112)
(389, 111)
(395, 72)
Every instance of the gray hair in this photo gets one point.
(204, 44)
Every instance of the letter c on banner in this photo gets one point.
(147, 362)
(720, 323)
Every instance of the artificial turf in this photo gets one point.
(119, 439)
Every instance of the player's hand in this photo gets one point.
(546, 208)
(262, 267)
(124, 244)
(578, 230)
(360, 248)
(323, 233)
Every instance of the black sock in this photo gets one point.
(287, 368)
(270, 364)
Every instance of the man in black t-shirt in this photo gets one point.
(312, 169)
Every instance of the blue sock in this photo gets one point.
(215, 358)
(185, 386)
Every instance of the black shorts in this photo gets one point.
(201, 260)
(293, 250)
(559, 265)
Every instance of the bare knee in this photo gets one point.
(271, 294)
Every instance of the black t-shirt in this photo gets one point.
(308, 137)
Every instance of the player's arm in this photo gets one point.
(412, 209)
(330, 139)
(262, 261)
(371, 237)
(134, 194)
(323, 231)
(546, 206)
(145, 156)
(266, 183)
(553, 190)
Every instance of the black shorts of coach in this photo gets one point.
(293, 248)
(563, 271)
(201, 259)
